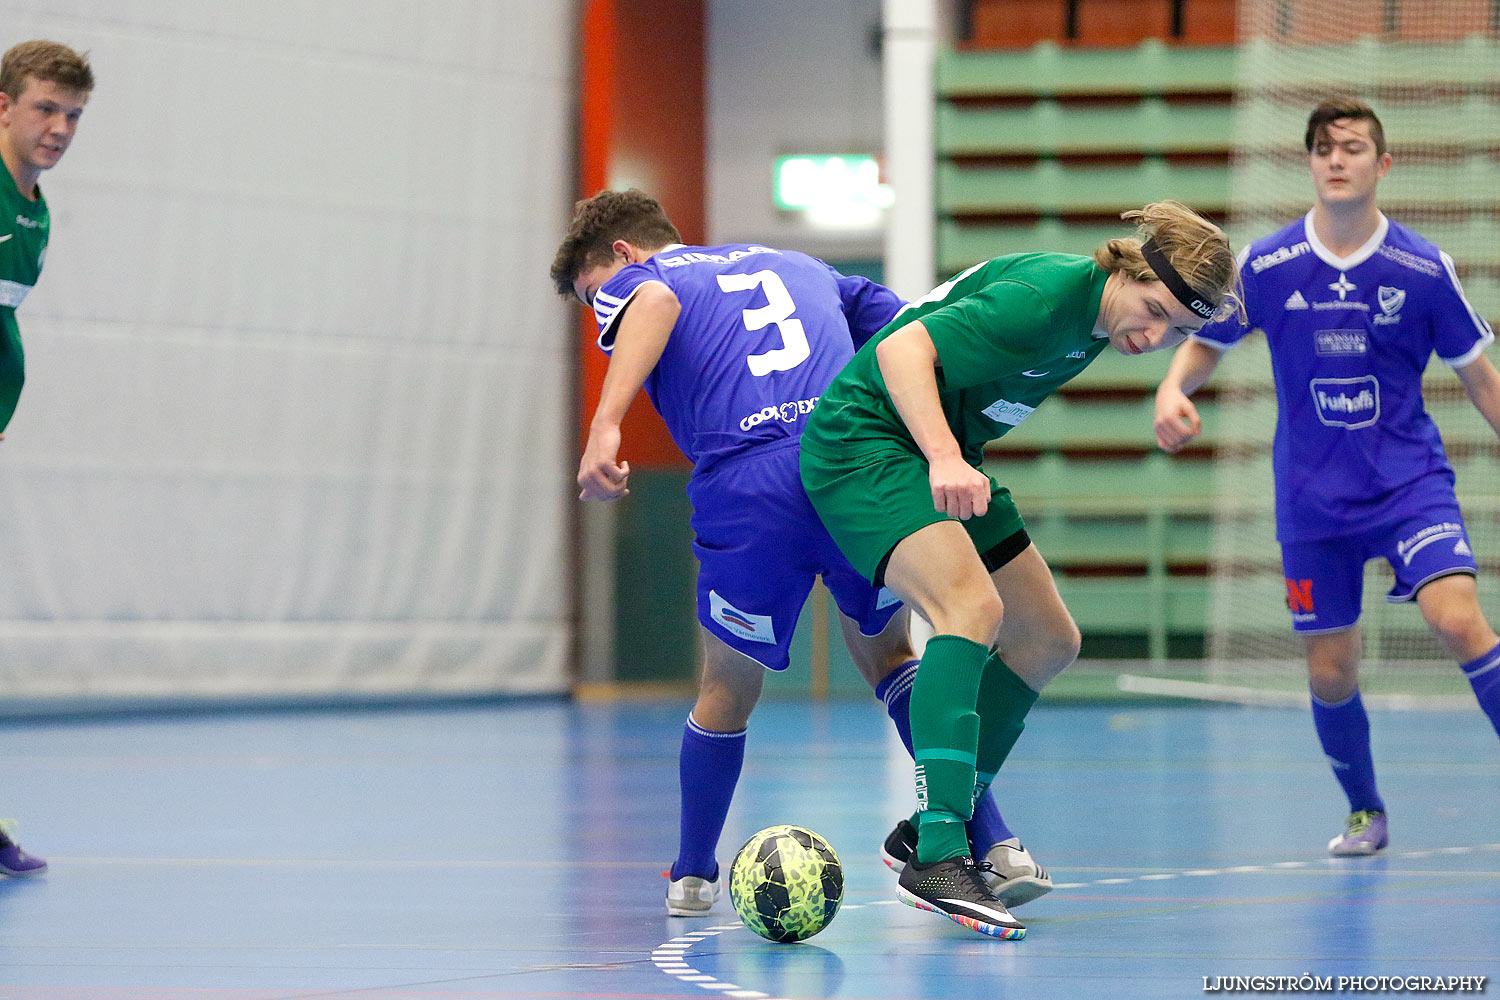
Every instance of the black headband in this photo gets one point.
(1179, 288)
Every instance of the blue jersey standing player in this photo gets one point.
(734, 345)
(1353, 305)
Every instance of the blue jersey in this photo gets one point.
(1349, 339)
(761, 334)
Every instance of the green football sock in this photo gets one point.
(1003, 703)
(945, 740)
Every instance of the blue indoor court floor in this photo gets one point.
(515, 850)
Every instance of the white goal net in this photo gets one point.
(1432, 72)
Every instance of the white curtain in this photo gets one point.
(297, 398)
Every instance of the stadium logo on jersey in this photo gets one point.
(1299, 598)
(1411, 545)
(1296, 301)
(1003, 411)
(1280, 256)
(26, 223)
(786, 413)
(756, 628)
(1078, 354)
(1391, 301)
(1343, 286)
(1340, 343)
(1347, 402)
(693, 257)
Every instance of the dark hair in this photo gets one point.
(632, 216)
(1331, 111)
(44, 60)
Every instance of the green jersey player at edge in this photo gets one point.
(43, 88)
(891, 459)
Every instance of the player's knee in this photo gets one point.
(1453, 623)
(1331, 679)
(1066, 644)
(985, 612)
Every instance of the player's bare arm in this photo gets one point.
(908, 362)
(1482, 383)
(1176, 420)
(641, 336)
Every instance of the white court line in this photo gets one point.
(1242, 869)
(668, 956)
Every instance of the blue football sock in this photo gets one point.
(1484, 676)
(987, 828)
(895, 691)
(709, 768)
(1344, 731)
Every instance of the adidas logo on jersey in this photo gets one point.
(1462, 548)
(1296, 301)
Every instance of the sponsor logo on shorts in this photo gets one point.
(1299, 598)
(885, 599)
(756, 628)
(1347, 402)
(1412, 544)
(1003, 411)
(786, 413)
(1340, 343)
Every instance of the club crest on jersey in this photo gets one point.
(1347, 402)
(1391, 300)
(756, 628)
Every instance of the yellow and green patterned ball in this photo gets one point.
(786, 883)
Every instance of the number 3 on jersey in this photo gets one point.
(778, 309)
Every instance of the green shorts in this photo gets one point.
(872, 498)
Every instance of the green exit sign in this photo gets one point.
(830, 185)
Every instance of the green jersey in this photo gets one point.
(24, 225)
(1008, 333)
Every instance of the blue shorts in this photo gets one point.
(1325, 578)
(759, 545)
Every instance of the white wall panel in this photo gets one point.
(297, 406)
(787, 76)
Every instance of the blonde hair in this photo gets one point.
(1196, 248)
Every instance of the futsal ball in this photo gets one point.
(786, 883)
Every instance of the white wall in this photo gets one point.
(297, 388)
(787, 76)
